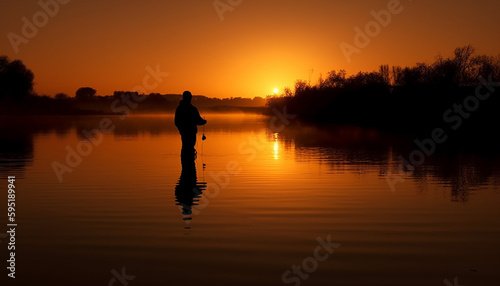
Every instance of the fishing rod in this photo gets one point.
(203, 138)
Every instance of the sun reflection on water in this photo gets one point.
(276, 147)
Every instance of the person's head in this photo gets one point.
(187, 96)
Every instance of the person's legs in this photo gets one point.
(188, 143)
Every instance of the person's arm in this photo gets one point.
(199, 120)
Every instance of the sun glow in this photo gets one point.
(276, 91)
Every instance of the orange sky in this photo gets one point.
(258, 46)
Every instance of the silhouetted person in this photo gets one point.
(188, 190)
(187, 118)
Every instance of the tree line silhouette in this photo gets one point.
(404, 100)
(17, 97)
(400, 99)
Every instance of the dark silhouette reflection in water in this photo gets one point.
(188, 190)
(16, 152)
(464, 174)
(361, 150)
(15, 155)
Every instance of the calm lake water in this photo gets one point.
(262, 203)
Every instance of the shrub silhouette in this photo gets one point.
(85, 93)
(16, 81)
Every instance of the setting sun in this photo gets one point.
(276, 91)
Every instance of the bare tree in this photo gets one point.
(464, 64)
